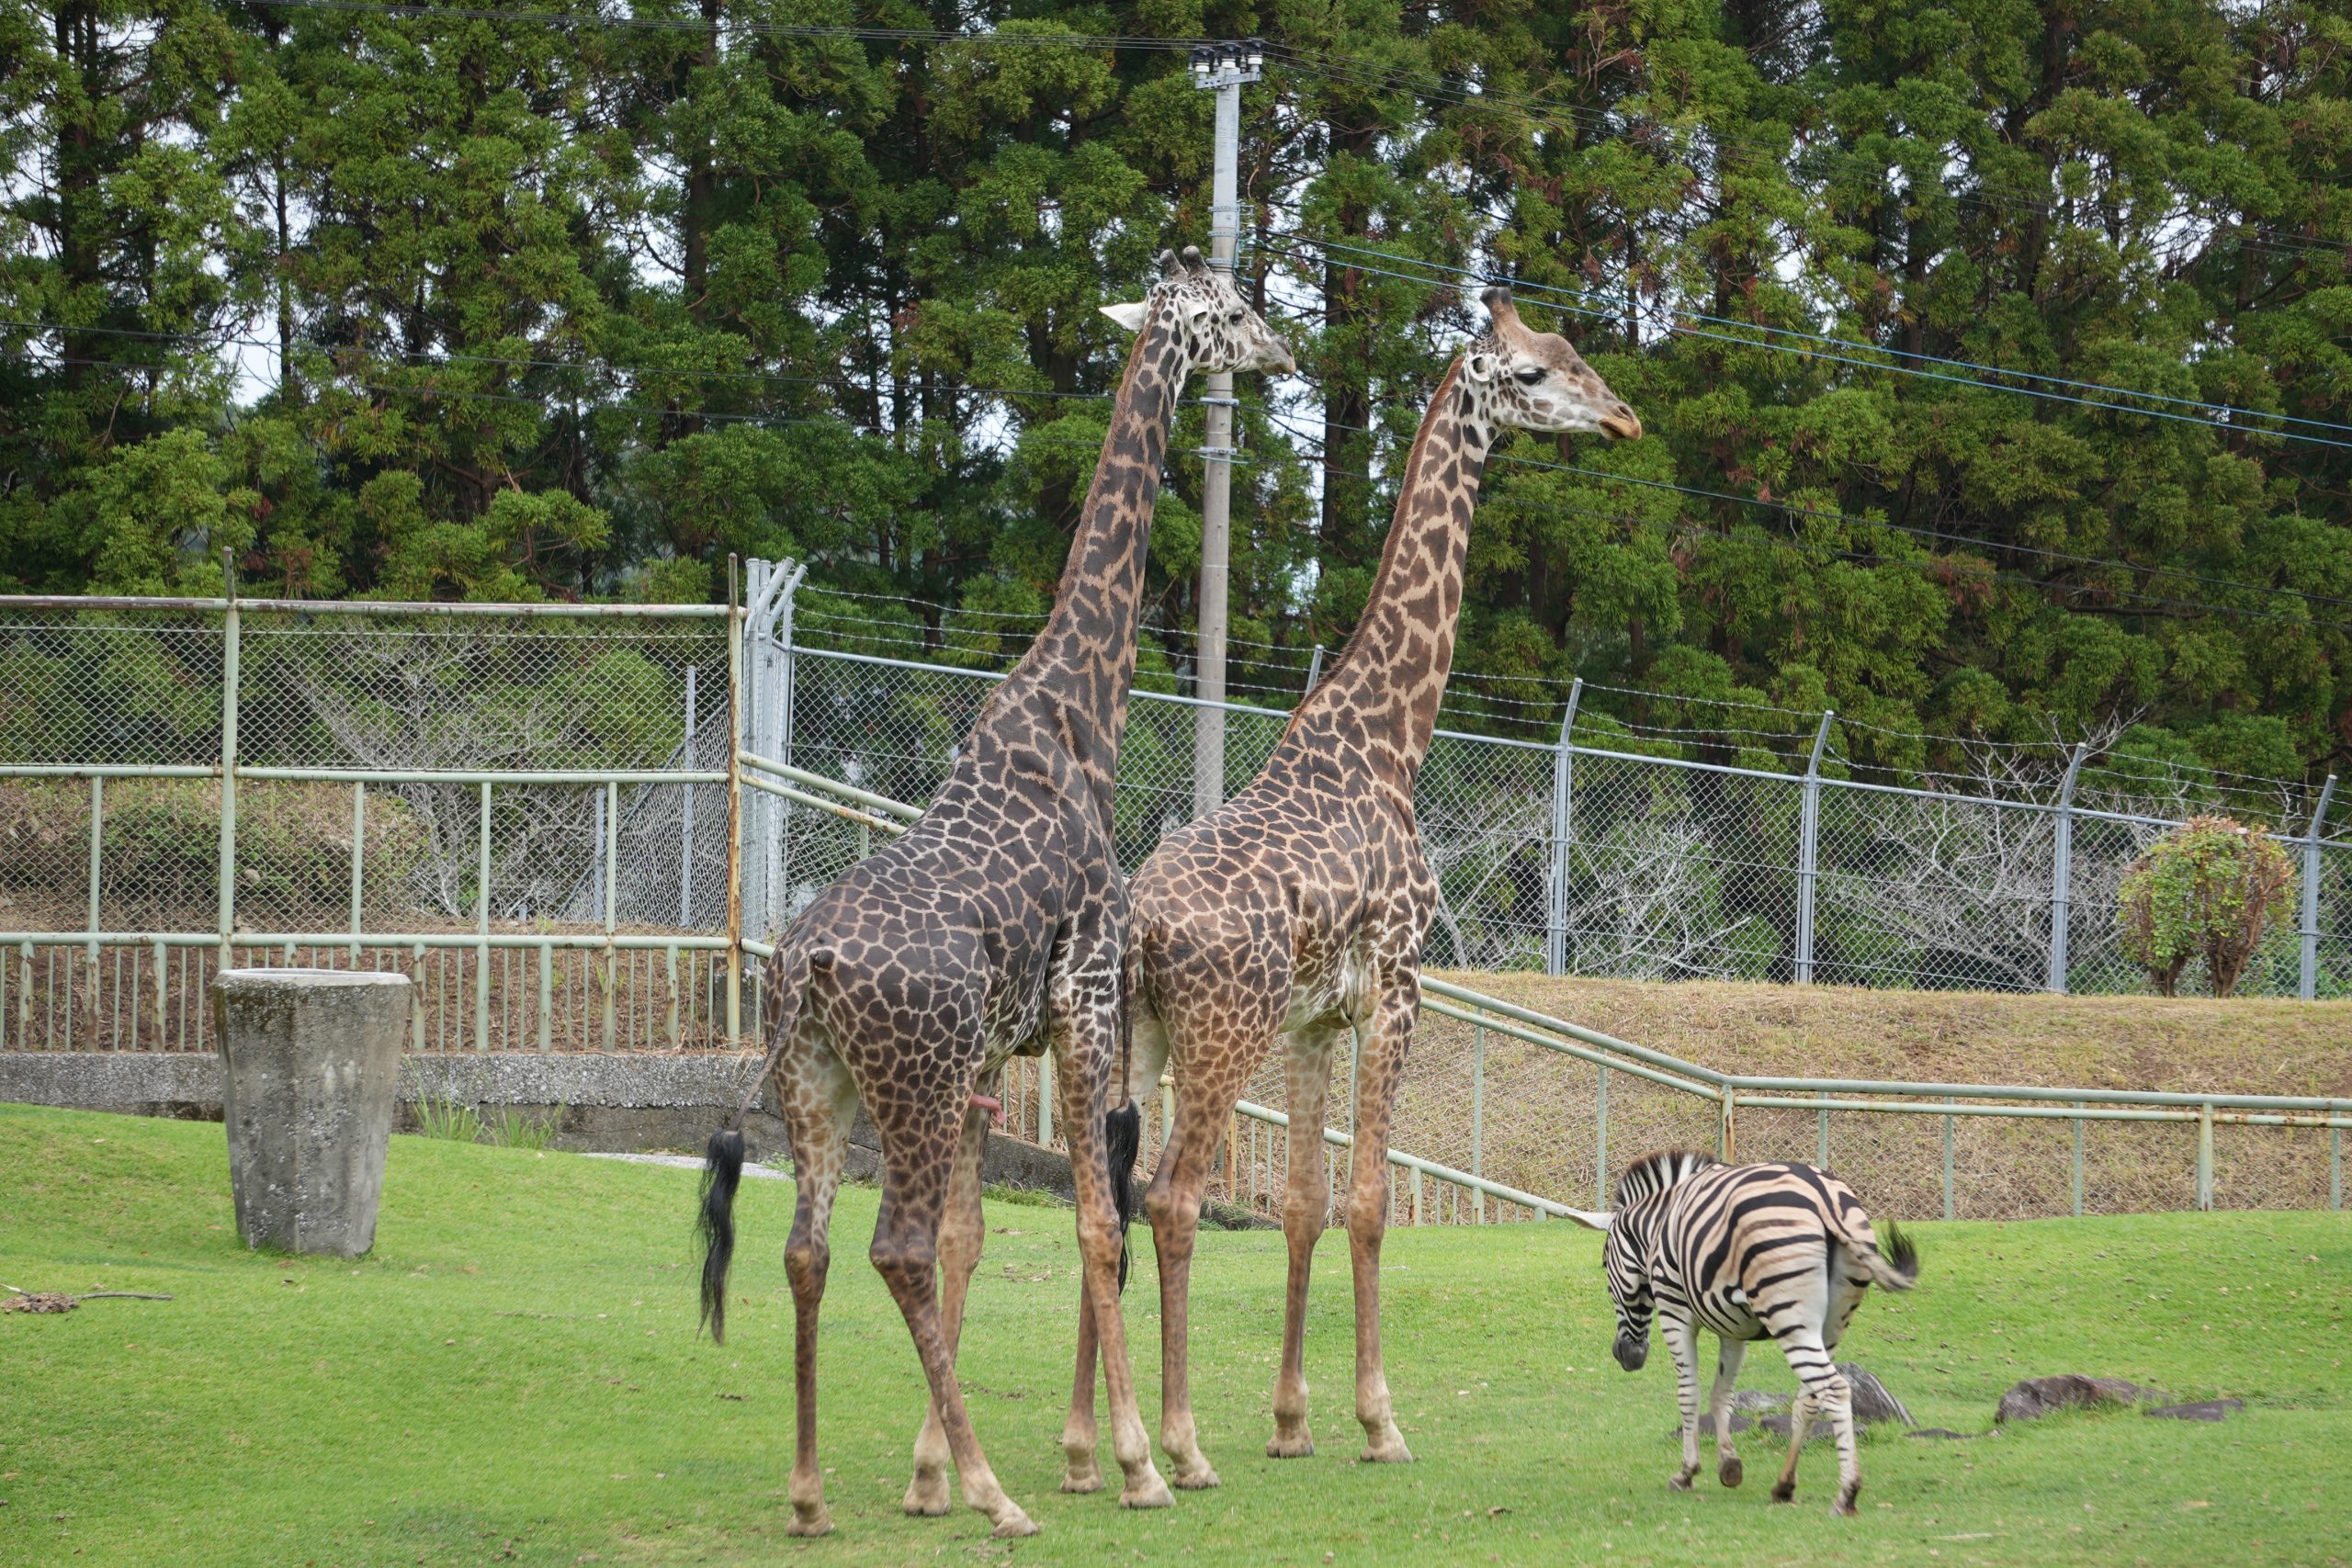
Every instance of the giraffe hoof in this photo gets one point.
(1199, 1478)
(1392, 1452)
(1149, 1492)
(1785, 1492)
(1290, 1444)
(813, 1522)
(1012, 1523)
(1730, 1472)
(1076, 1481)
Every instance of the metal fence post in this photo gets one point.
(481, 928)
(780, 811)
(1809, 850)
(1479, 1118)
(1313, 672)
(612, 852)
(1821, 1149)
(1600, 1139)
(687, 817)
(2307, 986)
(1555, 935)
(231, 631)
(358, 859)
(97, 855)
(735, 632)
(2205, 1155)
(1725, 1144)
(2061, 869)
(2080, 1105)
(1948, 1127)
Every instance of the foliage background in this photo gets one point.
(573, 301)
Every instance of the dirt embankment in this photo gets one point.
(2250, 1046)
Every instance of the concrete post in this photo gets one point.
(311, 1061)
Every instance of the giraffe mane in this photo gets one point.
(1439, 402)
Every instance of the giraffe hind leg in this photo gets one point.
(819, 1100)
(961, 1231)
(1306, 1208)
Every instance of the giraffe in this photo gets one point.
(993, 926)
(1297, 909)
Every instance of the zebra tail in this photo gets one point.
(1893, 1260)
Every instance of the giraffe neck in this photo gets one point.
(1080, 665)
(1388, 681)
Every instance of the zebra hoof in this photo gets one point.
(1730, 1473)
(1785, 1492)
(1680, 1481)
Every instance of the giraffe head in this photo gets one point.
(1204, 316)
(1532, 381)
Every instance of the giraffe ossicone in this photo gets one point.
(1296, 911)
(994, 927)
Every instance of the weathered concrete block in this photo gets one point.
(311, 1061)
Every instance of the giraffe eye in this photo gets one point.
(1531, 375)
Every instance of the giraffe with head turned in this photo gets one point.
(993, 926)
(1296, 910)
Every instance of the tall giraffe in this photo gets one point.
(993, 926)
(1297, 909)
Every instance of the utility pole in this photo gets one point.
(1221, 69)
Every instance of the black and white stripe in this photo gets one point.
(1747, 1251)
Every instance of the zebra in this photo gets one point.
(1745, 1251)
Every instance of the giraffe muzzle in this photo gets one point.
(1623, 425)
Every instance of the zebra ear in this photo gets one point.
(1590, 1220)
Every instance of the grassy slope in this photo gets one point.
(2252, 1046)
(514, 1371)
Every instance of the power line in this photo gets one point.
(735, 24)
(1616, 122)
(1275, 243)
(1869, 557)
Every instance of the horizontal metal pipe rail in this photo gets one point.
(1331, 1135)
(366, 607)
(557, 941)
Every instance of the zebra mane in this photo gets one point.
(1656, 1172)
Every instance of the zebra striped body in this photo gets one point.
(1747, 1251)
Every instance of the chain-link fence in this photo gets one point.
(536, 813)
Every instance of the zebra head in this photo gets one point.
(1625, 1254)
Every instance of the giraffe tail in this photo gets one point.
(1123, 1124)
(723, 1159)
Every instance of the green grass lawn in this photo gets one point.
(514, 1376)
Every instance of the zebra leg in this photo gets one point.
(1683, 1340)
(1799, 1417)
(1836, 1401)
(1728, 1466)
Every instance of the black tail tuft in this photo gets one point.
(1901, 1254)
(1123, 1140)
(722, 1170)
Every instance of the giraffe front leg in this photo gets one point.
(1682, 1339)
(1728, 1468)
(1306, 1206)
(1378, 1067)
(962, 1232)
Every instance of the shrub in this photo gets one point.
(2211, 888)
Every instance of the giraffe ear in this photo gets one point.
(1479, 366)
(1590, 1220)
(1131, 315)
